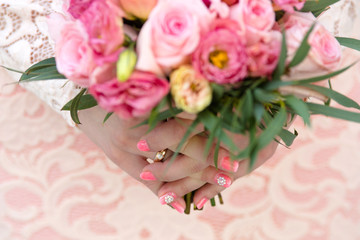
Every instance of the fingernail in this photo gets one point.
(143, 146)
(147, 176)
(167, 198)
(227, 164)
(178, 207)
(201, 203)
(223, 180)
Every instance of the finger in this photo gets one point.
(133, 166)
(166, 134)
(205, 193)
(172, 193)
(195, 149)
(183, 165)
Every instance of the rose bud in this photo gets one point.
(126, 64)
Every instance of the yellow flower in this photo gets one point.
(190, 92)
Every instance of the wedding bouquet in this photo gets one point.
(238, 65)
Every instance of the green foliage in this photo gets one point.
(349, 42)
(317, 6)
(44, 70)
(86, 101)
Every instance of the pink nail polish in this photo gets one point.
(201, 203)
(167, 198)
(229, 165)
(178, 207)
(147, 176)
(223, 180)
(143, 146)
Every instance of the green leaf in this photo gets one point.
(153, 119)
(258, 112)
(299, 107)
(44, 70)
(265, 96)
(86, 101)
(349, 42)
(280, 69)
(287, 137)
(11, 69)
(334, 112)
(303, 50)
(170, 113)
(316, 5)
(107, 117)
(336, 96)
(268, 135)
(247, 107)
(185, 138)
(276, 84)
(75, 107)
(216, 153)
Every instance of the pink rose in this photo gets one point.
(325, 53)
(134, 98)
(288, 5)
(74, 56)
(264, 55)
(254, 17)
(77, 7)
(221, 56)
(228, 2)
(137, 8)
(105, 30)
(171, 34)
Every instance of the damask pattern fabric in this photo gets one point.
(55, 184)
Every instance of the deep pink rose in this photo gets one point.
(325, 53)
(171, 34)
(77, 7)
(254, 17)
(134, 98)
(104, 26)
(288, 5)
(221, 55)
(74, 56)
(264, 55)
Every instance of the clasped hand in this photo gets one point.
(129, 148)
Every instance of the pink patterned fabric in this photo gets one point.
(55, 184)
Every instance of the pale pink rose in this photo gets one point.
(220, 8)
(221, 55)
(264, 55)
(254, 17)
(74, 56)
(137, 8)
(134, 98)
(288, 5)
(325, 53)
(171, 34)
(104, 26)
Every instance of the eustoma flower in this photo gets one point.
(325, 53)
(221, 56)
(133, 98)
(105, 30)
(191, 92)
(74, 56)
(171, 34)
(264, 54)
(288, 5)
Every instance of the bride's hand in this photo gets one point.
(193, 171)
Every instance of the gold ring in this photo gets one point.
(160, 155)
